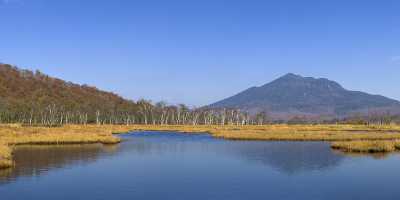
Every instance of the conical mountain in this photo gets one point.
(296, 95)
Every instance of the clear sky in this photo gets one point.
(200, 51)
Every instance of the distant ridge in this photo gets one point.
(293, 95)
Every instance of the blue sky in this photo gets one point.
(198, 52)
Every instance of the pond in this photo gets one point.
(168, 165)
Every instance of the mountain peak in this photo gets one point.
(291, 76)
(300, 82)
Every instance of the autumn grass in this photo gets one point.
(5, 156)
(367, 146)
(288, 132)
(13, 134)
(16, 135)
(346, 138)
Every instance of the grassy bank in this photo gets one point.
(11, 135)
(367, 146)
(5, 156)
(347, 138)
(288, 132)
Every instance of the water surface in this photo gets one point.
(154, 165)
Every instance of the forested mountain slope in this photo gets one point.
(27, 95)
(37, 99)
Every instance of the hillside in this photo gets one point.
(23, 92)
(292, 95)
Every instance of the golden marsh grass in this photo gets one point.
(377, 146)
(347, 138)
(288, 132)
(5, 156)
(11, 135)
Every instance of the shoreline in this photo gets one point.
(5, 157)
(13, 135)
(345, 138)
(348, 138)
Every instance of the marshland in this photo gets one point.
(348, 138)
(14, 134)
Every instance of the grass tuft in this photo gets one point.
(5, 156)
(367, 146)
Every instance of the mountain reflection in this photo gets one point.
(288, 157)
(36, 160)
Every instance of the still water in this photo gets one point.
(153, 165)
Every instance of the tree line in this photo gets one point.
(35, 98)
